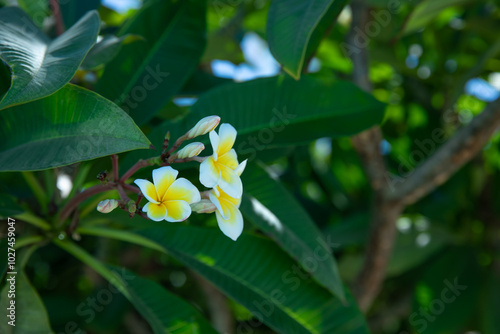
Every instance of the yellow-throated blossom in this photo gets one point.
(219, 168)
(228, 215)
(169, 199)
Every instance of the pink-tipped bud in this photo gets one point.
(107, 205)
(205, 125)
(191, 150)
(203, 206)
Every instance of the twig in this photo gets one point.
(73, 203)
(457, 151)
(56, 10)
(138, 165)
(114, 160)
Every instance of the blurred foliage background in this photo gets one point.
(435, 66)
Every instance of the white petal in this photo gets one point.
(224, 213)
(209, 173)
(184, 190)
(233, 226)
(148, 190)
(230, 182)
(241, 167)
(214, 140)
(163, 177)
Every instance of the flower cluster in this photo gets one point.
(173, 199)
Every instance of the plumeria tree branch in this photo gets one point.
(457, 151)
(389, 203)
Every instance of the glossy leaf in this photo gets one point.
(30, 314)
(40, 66)
(295, 28)
(144, 76)
(164, 311)
(105, 50)
(256, 273)
(279, 111)
(71, 125)
(270, 206)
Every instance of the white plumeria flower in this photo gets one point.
(228, 215)
(169, 199)
(219, 169)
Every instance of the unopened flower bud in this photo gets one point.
(203, 206)
(107, 205)
(191, 150)
(131, 206)
(205, 125)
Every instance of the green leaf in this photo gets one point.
(9, 206)
(165, 312)
(277, 112)
(270, 206)
(104, 51)
(31, 315)
(71, 125)
(426, 11)
(39, 66)
(280, 111)
(144, 76)
(448, 292)
(73, 10)
(295, 28)
(259, 275)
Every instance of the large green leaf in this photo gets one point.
(279, 111)
(426, 11)
(30, 314)
(259, 275)
(105, 50)
(448, 292)
(71, 125)
(295, 27)
(270, 206)
(144, 76)
(165, 312)
(40, 66)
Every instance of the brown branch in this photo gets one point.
(56, 10)
(114, 160)
(76, 200)
(452, 155)
(384, 213)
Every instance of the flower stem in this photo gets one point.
(138, 165)
(114, 160)
(75, 201)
